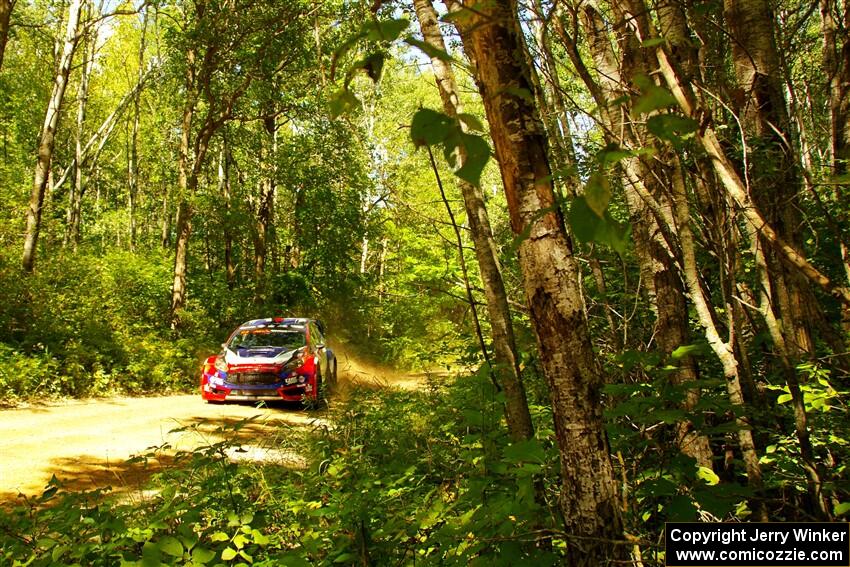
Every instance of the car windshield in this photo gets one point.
(288, 339)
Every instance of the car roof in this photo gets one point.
(276, 321)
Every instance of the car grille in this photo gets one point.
(253, 378)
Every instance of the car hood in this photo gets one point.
(259, 355)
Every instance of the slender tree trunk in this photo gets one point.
(774, 184)
(265, 208)
(72, 235)
(589, 501)
(506, 369)
(225, 190)
(835, 15)
(133, 158)
(6, 7)
(186, 182)
(48, 137)
(723, 350)
(774, 174)
(650, 208)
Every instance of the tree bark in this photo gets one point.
(6, 7)
(133, 158)
(48, 137)
(649, 204)
(265, 208)
(225, 190)
(72, 235)
(506, 369)
(588, 501)
(774, 175)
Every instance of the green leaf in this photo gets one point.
(219, 536)
(612, 234)
(477, 156)
(527, 451)
(783, 399)
(653, 42)
(696, 349)
(681, 509)
(386, 30)
(672, 127)
(583, 221)
(470, 121)
(345, 558)
(171, 546)
(652, 96)
(202, 555)
(462, 17)
(429, 50)
(842, 508)
(372, 65)
(151, 554)
(597, 193)
(342, 102)
(228, 554)
(708, 476)
(259, 537)
(430, 127)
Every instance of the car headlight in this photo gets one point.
(220, 364)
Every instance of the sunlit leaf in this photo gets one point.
(429, 50)
(708, 476)
(470, 121)
(597, 193)
(343, 102)
(170, 546)
(430, 127)
(386, 30)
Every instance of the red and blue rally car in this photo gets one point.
(271, 359)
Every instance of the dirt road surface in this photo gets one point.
(86, 443)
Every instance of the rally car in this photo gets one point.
(271, 359)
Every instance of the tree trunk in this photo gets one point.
(588, 500)
(723, 350)
(265, 208)
(225, 190)
(650, 209)
(506, 369)
(6, 7)
(48, 137)
(836, 63)
(71, 234)
(186, 181)
(774, 175)
(133, 158)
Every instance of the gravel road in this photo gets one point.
(86, 443)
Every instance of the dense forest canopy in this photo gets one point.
(622, 225)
